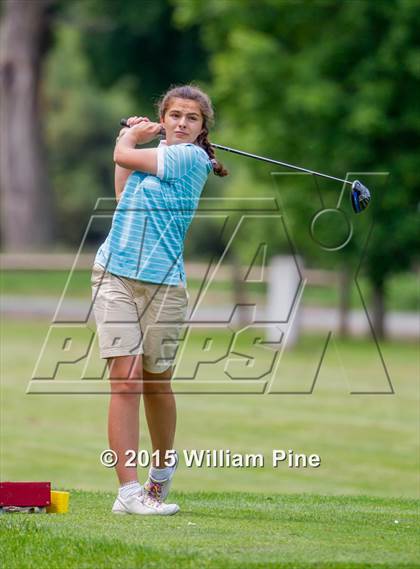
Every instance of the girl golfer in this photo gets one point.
(139, 287)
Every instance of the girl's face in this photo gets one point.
(183, 121)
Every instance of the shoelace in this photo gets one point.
(152, 502)
(154, 489)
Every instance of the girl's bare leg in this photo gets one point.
(125, 375)
(160, 409)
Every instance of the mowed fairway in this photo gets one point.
(342, 514)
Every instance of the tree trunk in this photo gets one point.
(27, 203)
(344, 301)
(378, 306)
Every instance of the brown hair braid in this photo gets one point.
(203, 141)
(195, 94)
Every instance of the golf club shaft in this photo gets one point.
(271, 161)
(123, 122)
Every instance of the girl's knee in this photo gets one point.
(125, 368)
(157, 383)
(126, 387)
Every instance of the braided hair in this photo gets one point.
(195, 94)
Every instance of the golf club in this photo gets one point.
(359, 195)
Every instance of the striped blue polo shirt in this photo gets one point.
(146, 239)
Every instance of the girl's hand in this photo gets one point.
(136, 120)
(131, 121)
(145, 131)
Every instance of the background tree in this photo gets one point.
(139, 40)
(333, 86)
(81, 124)
(103, 59)
(27, 218)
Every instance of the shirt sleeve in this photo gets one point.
(176, 160)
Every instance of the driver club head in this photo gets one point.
(360, 196)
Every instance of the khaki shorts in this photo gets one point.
(136, 317)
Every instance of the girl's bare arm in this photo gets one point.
(127, 156)
(123, 169)
(121, 175)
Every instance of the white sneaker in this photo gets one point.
(143, 505)
(159, 489)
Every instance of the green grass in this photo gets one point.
(341, 514)
(368, 443)
(213, 530)
(403, 293)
